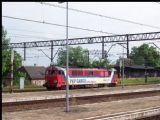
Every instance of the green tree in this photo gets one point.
(77, 57)
(127, 61)
(144, 52)
(100, 63)
(6, 55)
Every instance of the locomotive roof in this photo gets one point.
(79, 68)
(76, 68)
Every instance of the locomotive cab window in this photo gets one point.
(48, 72)
(51, 72)
(60, 72)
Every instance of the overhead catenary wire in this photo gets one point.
(30, 31)
(100, 15)
(60, 25)
(29, 36)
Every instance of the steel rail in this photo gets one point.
(136, 114)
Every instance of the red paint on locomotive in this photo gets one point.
(55, 76)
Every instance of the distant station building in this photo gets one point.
(139, 71)
(36, 74)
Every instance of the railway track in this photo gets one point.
(143, 114)
(60, 102)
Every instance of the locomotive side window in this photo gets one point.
(79, 72)
(109, 72)
(90, 73)
(74, 73)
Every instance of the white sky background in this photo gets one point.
(21, 31)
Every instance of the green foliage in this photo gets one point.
(139, 54)
(5, 40)
(127, 61)
(6, 54)
(100, 63)
(17, 78)
(77, 57)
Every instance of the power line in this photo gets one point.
(24, 37)
(100, 15)
(19, 36)
(28, 31)
(28, 36)
(35, 56)
(44, 22)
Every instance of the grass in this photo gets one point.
(27, 88)
(139, 81)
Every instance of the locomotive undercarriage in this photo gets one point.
(63, 87)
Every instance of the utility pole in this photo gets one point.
(145, 70)
(11, 80)
(123, 69)
(88, 57)
(67, 60)
(120, 70)
(51, 51)
(103, 48)
(24, 51)
(127, 47)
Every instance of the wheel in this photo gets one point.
(111, 85)
(49, 88)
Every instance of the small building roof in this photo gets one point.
(34, 72)
(137, 67)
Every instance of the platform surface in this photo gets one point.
(28, 96)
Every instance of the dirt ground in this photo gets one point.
(84, 111)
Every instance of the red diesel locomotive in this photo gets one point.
(79, 77)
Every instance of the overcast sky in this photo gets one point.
(22, 31)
